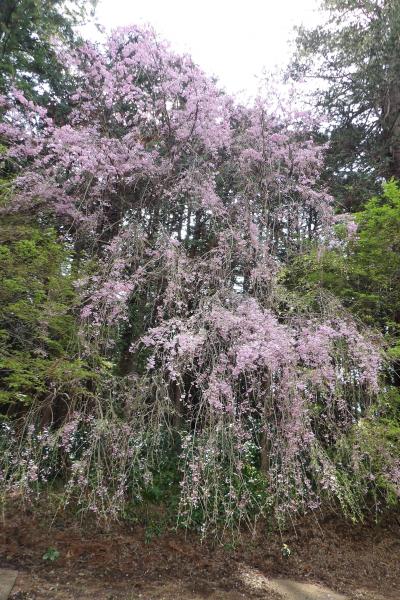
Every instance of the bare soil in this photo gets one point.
(129, 562)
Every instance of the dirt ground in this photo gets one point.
(130, 563)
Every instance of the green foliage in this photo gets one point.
(51, 554)
(38, 343)
(364, 274)
(367, 454)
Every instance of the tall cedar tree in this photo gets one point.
(355, 58)
(27, 57)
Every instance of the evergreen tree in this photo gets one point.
(27, 57)
(355, 57)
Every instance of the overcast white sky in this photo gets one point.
(232, 39)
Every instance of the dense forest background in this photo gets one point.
(200, 300)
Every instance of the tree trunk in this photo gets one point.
(391, 129)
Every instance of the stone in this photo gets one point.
(295, 590)
(7, 580)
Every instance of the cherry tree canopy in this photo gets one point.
(191, 204)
